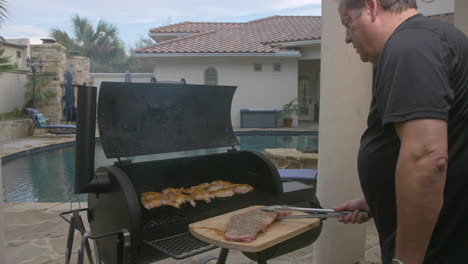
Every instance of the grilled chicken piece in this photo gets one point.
(225, 192)
(218, 185)
(169, 192)
(201, 195)
(150, 195)
(153, 203)
(157, 202)
(191, 190)
(241, 188)
(177, 200)
(202, 185)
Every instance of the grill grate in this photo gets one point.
(163, 217)
(169, 226)
(180, 246)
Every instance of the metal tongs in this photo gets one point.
(312, 212)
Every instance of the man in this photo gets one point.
(413, 159)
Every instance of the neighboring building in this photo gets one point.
(267, 59)
(12, 88)
(271, 60)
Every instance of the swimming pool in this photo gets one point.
(48, 176)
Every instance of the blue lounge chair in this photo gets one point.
(41, 123)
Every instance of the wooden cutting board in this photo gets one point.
(212, 231)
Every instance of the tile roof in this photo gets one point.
(257, 36)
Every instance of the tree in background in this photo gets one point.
(135, 64)
(42, 95)
(3, 11)
(4, 61)
(102, 44)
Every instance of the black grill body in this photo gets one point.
(114, 191)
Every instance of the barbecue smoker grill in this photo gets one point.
(149, 118)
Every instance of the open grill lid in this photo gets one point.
(149, 118)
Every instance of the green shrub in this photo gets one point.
(289, 109)
(15, 114)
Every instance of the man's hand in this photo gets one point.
(354, 205)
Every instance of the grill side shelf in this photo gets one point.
(180, 246)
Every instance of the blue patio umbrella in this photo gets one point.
(128, 76)
(69, 110)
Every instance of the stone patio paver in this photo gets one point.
(35, 233)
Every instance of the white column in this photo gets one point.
(461, 17)
(2, 221)
(344, 105)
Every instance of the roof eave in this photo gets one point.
(9, 44)
(300, 43)
(279, 54)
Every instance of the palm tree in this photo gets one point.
(3, 11)
(4, 61)
(98, 44)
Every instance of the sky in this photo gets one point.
(33, 18)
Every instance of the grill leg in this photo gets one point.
(261, 259)
(222, 256)
(76, 223)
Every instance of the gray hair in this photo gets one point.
(393, 6)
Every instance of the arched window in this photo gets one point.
(211, 76)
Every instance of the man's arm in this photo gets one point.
(420, 182)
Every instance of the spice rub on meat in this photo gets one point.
(245, 227)
(175, 197)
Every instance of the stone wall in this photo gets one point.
(54, 59)
(79, 67)
(15, 129)
(290, 158)
(56, 63)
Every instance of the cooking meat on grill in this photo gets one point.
(242, 188)
(175, 197)
(151, 195)
(201, 195)
(152, 200)
(179, 198)
(202, 185)
(221, 193)
(245, 227)
(192, 189)
(217, 185)
(169, 192)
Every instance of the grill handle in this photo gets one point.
(85, 180)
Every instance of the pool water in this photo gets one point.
(48, 176)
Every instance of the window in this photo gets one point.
(18, 54)
(257, 67)
(211, 76)
(277, 67)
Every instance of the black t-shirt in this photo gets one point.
(422, 73)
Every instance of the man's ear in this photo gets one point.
(371, 7)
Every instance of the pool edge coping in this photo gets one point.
(54, 146)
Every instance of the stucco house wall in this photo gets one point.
(263, 90)
(432, 7)
(12, 84)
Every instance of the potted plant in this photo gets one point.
(288, 110)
